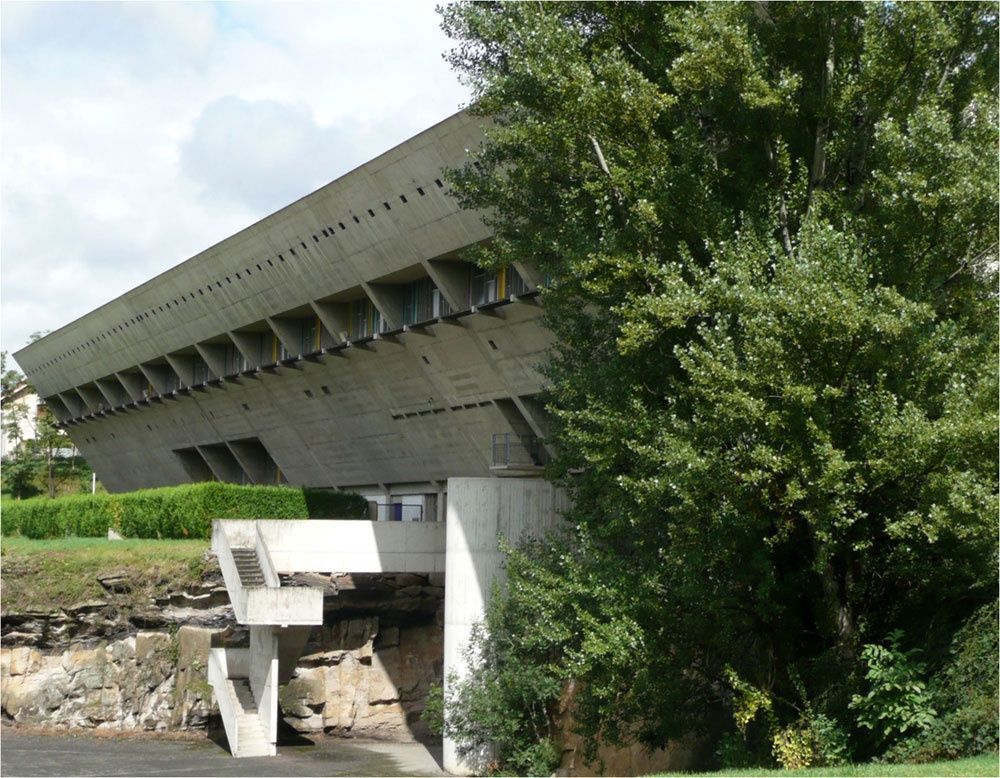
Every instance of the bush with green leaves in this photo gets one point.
(813, 739)
(965, 692)
(897, 702)
(554, 620)
(172, 512)
(19, 477)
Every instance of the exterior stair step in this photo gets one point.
(248, 566)
(252, 740)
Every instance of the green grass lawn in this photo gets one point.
(983, 765)
(45, 575)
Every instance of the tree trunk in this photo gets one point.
(52, 483)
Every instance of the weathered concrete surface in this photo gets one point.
(414, 408)
(61, 755)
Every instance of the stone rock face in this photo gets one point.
(122, 684)
(100, 621)
(364, 677)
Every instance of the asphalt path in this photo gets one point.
(85, 755)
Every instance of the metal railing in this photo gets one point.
(399, 512)
(510, 449)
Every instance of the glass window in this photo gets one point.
(365, 319)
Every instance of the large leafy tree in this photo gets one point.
(770, 233)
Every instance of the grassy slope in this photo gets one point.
(46, 575)
(984, 765)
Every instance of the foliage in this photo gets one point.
(10, 378)
(813, 741)
(965, 691)
(555, 619)
(748, 701)
(33, 459)
(172, 512)
(433, 713)
(985, 765)
(770, 237)
(897, 701)
(19, 477)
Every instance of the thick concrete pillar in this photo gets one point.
(480, 510)
(264, 679)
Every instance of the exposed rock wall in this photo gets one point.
(151, 681)
(366, 677)
(365, 672)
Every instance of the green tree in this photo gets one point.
(10, 377)
(771, 233)
(38, 454)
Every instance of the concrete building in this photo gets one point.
(339, 342)
(343, 342)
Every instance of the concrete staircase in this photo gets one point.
(251, 739)
(248, 567)
(246, 680)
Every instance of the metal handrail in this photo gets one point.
(512, 449)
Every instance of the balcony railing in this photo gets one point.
(399, 512)
(510, 450)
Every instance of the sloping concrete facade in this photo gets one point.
(342, 341)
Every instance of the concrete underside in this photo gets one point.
(376, 415)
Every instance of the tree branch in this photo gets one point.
(603, 165)
(818, 171)
(786, 238)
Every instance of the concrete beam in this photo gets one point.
(452, 278)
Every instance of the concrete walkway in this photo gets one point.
(84, 755)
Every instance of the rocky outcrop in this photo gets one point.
(366, 677)
(103, 620)
(150, 681)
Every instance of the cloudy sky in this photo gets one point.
(133, 135)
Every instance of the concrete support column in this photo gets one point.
(479, 510)
(264, 678)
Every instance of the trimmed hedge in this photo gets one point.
(173, 511)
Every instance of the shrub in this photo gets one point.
(898, 702)
(815, 740)
(172, 512)
(812, 739)
(433, 714)
(965, 690)
(19, 477)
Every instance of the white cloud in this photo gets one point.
(136, 134)
(264, 154)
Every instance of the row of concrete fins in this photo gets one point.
(246, 680)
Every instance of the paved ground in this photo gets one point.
(85, 755)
